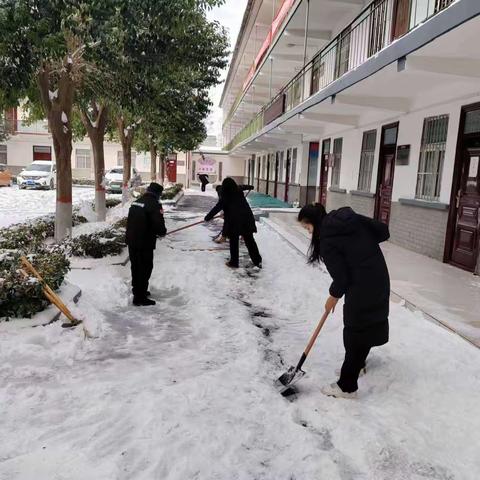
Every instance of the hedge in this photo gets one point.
(22, 296)
(171, 192)
(31, 235)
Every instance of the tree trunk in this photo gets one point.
(153, 162)
(63, 214)
(126, 139)
(59, 114)
(162, 168)
(96, 133)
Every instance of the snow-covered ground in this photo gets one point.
(19, 205)
(183, 390)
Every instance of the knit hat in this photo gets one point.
(156, 189)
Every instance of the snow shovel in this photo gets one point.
(294, 374)
(53, 298)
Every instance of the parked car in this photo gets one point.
(5, 176)
(39, 174)
(114, 179)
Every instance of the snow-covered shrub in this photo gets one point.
(119, 224)
(29, 236)
(83, 181)
(171, 192)
(22, 296)
(112, 202)
(98, 245)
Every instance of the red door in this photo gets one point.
(172, 169)
(401, 18)
(324, 172)
(386, 170)
(287, 175)
(466, 235)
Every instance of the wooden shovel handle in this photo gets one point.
(188, 226)
(51, 296)
(315, 333)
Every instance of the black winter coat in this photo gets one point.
(145, 222)
(349, 247)
(238, 216)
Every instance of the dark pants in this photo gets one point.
(141, 261)
(355, 357)
(251, 247)
(204, 182)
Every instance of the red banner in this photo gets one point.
(281, 15)
(277, 23)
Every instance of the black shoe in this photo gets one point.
(231, 265)
(143, 302)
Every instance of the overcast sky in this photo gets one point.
(230, 15)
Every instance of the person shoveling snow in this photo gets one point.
(348, 244)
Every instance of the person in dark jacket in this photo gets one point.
(144, 224)
(348, 244)
(204, 180)
(239, 221)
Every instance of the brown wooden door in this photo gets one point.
(466, 234)
(287, 174)
(401, 18)
(386, 171)
(324, 172)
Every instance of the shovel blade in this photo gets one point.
(288, 379)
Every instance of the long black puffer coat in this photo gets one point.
(349, 247)
(239, 219)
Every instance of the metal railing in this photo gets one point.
(371, 31)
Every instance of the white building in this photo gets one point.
(372, 104)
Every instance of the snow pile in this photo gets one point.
(184, 390)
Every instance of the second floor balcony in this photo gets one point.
(376, 28)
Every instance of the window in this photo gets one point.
(366, 160)
(120, 158)
(337, 161)
(293, 169)
(264, 168)
(194, 167)
(3, 154)
(82, 158)
(432, 155)
(42, 152)
(220, 171)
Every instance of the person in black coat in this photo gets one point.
(204, 180)
(239, 221)
(144, 224)
(348, 244)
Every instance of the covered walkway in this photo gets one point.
(443, 293)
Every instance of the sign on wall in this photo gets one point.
(206, 164)
(403, 155)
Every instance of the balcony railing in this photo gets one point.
(377, 26)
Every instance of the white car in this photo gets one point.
(39, 174)
(114, 179)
